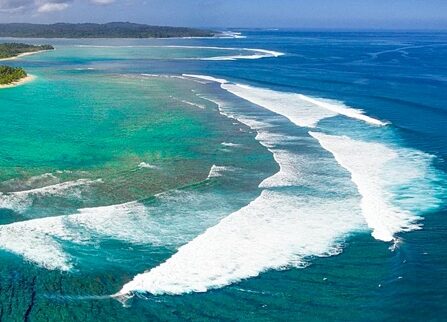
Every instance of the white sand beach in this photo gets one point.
(22, 81)
(23, 55)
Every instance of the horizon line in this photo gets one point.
(273, 28)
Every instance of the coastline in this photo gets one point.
(23, 55)
(22, 81)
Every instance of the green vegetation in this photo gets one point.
(91, 30)
(9, 50)
(10, 75)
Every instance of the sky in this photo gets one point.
(305, 14)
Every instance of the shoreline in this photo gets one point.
(23, 55)
(22, 81)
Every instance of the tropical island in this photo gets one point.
(14, 50)
(94, 30)
(11, 76)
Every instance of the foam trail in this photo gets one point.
(145, 165)
(34, 241)
(113, 221)
(292, 106)
(162, 223)
(189, 103)
(217, 171)
(20, 184)
(274, 231)
(257, 53)
(193, 104)
(340, 108)
(230, 144)
(230, 34)
(19, 201)
(301, 110)
(207, 78)
(38, 240)
(72, 298)
(368, 163)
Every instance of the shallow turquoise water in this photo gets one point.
(111, 161)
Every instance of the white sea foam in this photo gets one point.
(289, 173)
(190, 103)
(41, 180)
(292, 106)
(279, 229)
(230, 144)
(151, 75)
(158, 76)
(273, 232)
(19, 201)
(255, 53)
(207, 78)
(231, 35)
(342, 109)
(193, 104)
(370, 165)
(217, 171)
(39, 240)
(145, 165)
(34, 241)
(283, 227)
(123, 222)
(299, 109)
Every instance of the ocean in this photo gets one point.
(268, 175)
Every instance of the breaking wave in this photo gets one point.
(379, 171)
(301, 110)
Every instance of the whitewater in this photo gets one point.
(252, 53)
(279, 229)
(285, 227)
(300, 109)
(321, 195)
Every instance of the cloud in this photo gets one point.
(103, 2)
(13, 5)
(51, 6)
(42, 6)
